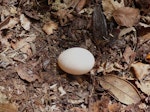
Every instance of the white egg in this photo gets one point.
(76, 61)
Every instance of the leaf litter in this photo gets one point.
(30, 78)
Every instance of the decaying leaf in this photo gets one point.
(126, 31)
(109, 6)
(126, 16)
(64, 16)
(25, 23)
(141, 70)
(142, 73)
(26, 72)
(7, 107)
(144, 86)
(121, 89)
(129, 55)
(49, 27)
(24, 45)
(8, 23)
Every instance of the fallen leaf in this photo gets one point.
(100, 30)
(8, 23)
(25, 23)
(126, 31)
(64, 16)
(32, 14)
(109, 6)
(121, 89)
(126, 16)
(24, 45)
(129, 55)
(49, 27)
(7, 107)
(140, 70)
(142, 73)
(144, 86)
(26, 72)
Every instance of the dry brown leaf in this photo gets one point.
(24, 45)
(129, 55)
(109, 6)
(121, 89)
(6, 107)
(142, 73)
(25, 23)
(49, 27)
(144, 86)
(64, 16)
(141, 70)
(26, 72)
(126, 31)
(126, 16)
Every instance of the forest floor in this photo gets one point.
(34, 32)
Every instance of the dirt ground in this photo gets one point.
(34, 32)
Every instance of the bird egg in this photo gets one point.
(76, 61)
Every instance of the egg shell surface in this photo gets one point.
(76, 61)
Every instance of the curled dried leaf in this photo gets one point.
(109, 6)
(49, 27)
(26, 72)
(126, 16)
(144, 86)
(142, 73)
(121, 89)
(141, 70)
